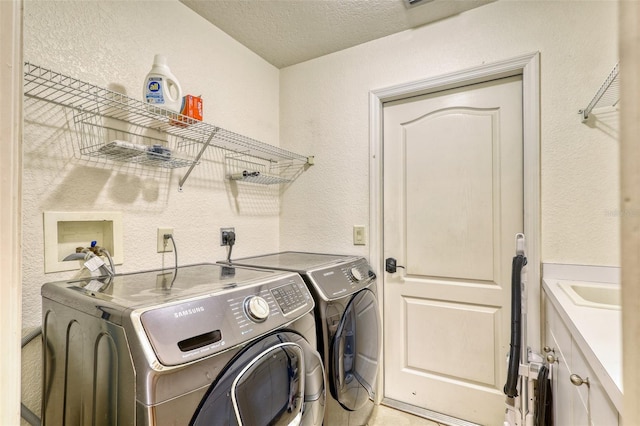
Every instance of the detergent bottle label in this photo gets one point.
(154, 92)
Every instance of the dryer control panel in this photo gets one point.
(341, 280)
(191, 329)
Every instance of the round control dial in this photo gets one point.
(256, 308)
(357, 274)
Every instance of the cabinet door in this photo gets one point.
(593, 398)
(563, 390)
(574, 405)
(559, 339)
(579, 407)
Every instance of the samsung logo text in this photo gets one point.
(189, 311)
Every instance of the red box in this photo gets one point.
(192, 108)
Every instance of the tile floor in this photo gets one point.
(385, 416)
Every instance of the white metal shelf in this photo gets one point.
(607, 95)
(93, 104)
(135, 153)
(258, 177)
(242, 168)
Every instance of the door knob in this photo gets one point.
(391, 265)
(578, 381)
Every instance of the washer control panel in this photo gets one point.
(290, 297)
(343, 279)
(200, 327)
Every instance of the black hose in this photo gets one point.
(511, 387)
(25, 413)
(231, 240)
(175, 255)
(29, 416)
(544, 400)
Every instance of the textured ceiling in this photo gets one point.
(286, 32)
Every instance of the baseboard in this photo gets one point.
(440, 418)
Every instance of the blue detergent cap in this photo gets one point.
(94, 243)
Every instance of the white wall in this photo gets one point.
(324, 111)
(113, 43)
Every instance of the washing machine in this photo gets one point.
(197, 345)
(349, 326)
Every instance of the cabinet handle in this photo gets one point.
(551, 354)
(578, 381)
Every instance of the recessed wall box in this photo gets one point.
(64, 231)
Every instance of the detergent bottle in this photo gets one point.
(161, 88)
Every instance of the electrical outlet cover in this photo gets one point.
(164, 245)
(222, 231)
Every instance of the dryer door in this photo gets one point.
(263, 385)
(355, 351)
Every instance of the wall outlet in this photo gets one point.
(224, 232)
(164, 245)
(359, 235)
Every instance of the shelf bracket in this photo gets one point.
(608, 92)
(197, 160)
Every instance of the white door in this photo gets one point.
(453, 202)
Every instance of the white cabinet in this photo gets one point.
(577, 405)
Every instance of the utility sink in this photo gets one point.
(605, 296)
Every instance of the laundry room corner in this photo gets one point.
(112, 45)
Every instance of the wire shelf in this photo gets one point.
(607, 95)
(242, 168)
(118, 150)
(258, 177)
(97, 139)
(88, 99)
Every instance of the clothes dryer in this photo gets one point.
(349, 326)
(201, 344)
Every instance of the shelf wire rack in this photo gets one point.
(607, 95)
(93, 103)
(124, 145)
(240, 167)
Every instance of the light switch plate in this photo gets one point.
(359, 235)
